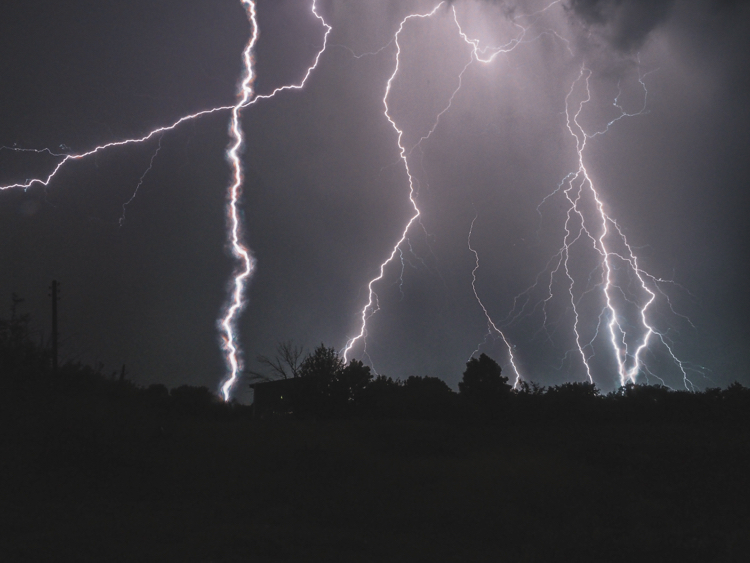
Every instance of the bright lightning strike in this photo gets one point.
(479, 54)
(372, 301)
(246, 97)
(628, 346)
(586, 223)
(617, 260)
(228, 324)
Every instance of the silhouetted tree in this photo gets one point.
(736, 391)
(530, 388)
(643, 393)
(352, 381)
(574, 391)
(735, 402)
(483, 377)
(327, 386)
(526, 404)
(484, 387)
(428, 398)
(285, 364)
(571, 402)
(317, 371)
(382, 398)
(19, 355)
(642, 402)
(323, 363)
(190, 400)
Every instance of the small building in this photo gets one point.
(293, 396)
(273, 397)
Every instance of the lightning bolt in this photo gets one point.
(628, 344)
(617, 260)
(478, 54)
(245, 98)
(372, 305)
(228, 324)
(617, 332)
(491, 327)
(46, 180)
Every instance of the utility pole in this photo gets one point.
(55, 292)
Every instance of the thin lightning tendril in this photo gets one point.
(491, 327)
(140, 182)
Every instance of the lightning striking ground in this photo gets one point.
(246, 97)
(491, 327)
(628, 343)
(478, 54)
(228, 324)
(630, 335)
(372, 301)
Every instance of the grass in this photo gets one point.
(96, 480)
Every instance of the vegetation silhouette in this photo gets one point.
(19, 355)
(484, 387)
(361, 467)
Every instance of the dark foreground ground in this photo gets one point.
(95, 480)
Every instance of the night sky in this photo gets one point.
(326, 195)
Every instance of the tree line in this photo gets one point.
(321, 385)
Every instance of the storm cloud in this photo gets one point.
(623, 24)
(326, 195)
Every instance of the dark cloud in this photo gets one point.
(624, 24)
